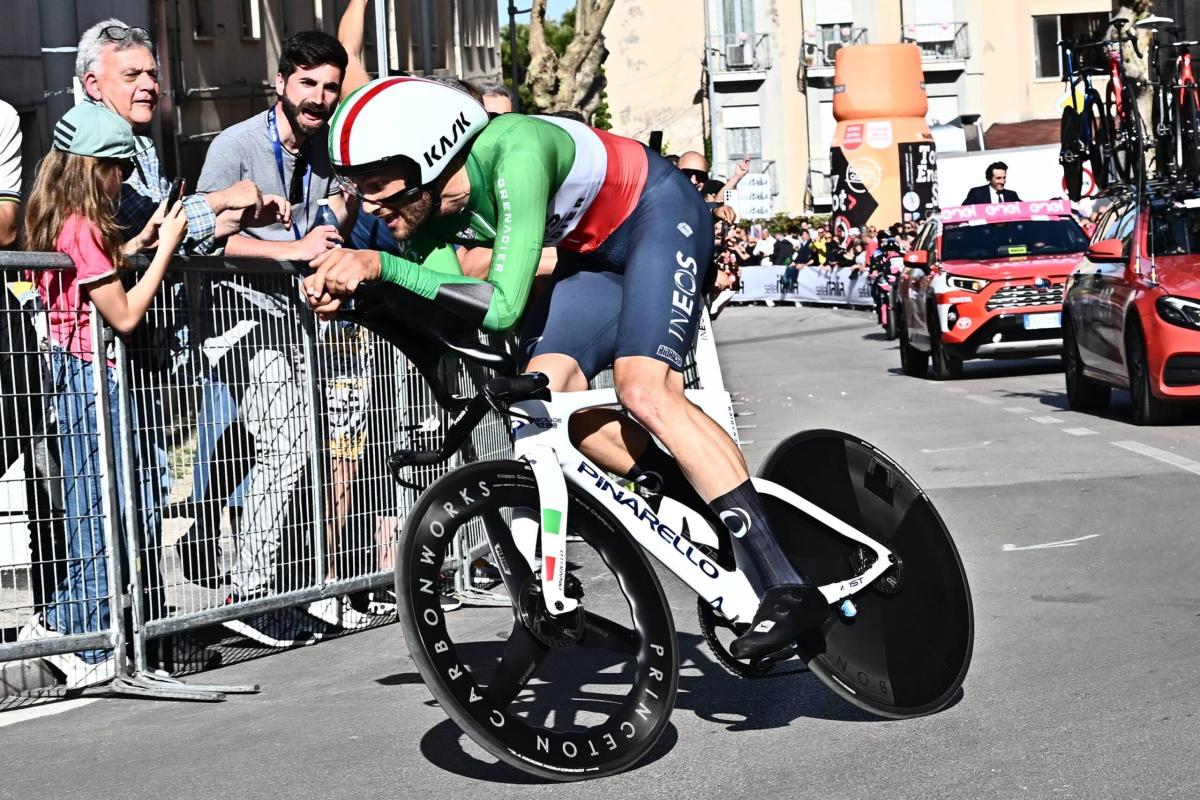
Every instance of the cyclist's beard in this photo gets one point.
(410, 217)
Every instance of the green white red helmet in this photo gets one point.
(414, 125)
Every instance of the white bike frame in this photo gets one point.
(541, 439)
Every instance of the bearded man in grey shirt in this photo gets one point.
(252, 352)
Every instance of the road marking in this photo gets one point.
(987, 401)
(1161, 455)
(1079, 431)
(1049, 419)
(49, 709)
(949, 449)
(1008, 548)
(1019, 410)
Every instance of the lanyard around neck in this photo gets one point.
(278, 145)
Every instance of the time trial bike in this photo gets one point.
(573, 672)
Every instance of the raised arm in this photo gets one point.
(350, 34)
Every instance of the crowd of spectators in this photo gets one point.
(797, 244)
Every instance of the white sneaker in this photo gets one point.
(273, 629)
(337, 612)
(382, 603)
(76, 672)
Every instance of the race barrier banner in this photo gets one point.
(226, 462)
(843, 287)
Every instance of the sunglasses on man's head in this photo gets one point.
(119, 33)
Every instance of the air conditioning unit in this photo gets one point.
(738, 56)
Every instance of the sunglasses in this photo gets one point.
(296, 189)
(119, 33)
(697, 176)
(394, 200)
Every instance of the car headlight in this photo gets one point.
(1179, 311)
(966, 284)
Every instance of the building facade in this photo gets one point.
(770, 73)
(218, 58)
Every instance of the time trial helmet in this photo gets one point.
(413, 126)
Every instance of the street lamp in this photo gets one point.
(512, 49)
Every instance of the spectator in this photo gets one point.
(820, 243)
(25, 415)
(994, 190)
(285, 147)
(10, 174)
(71, 210)
(497, 99)
(765, 246)
(117, 68)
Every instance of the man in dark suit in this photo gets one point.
(993, 191)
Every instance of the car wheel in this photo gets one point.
(945, 366)
(1148, 409)
(913, 362)
(1083, 393)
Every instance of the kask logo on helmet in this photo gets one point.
(447, 143)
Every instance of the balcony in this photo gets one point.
(821, 46)
(740, 57)
(944, 45)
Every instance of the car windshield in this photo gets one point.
(1176, 231)
(1034, 237)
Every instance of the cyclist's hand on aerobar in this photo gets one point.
(338, 274)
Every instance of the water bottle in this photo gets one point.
(325, 215)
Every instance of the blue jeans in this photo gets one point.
(81, 602)
(218, 411)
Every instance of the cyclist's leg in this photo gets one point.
(570, 336)
(668, 254)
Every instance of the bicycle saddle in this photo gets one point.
(426, 333)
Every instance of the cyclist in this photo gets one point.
(635, 255)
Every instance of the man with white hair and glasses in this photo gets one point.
(117, 68)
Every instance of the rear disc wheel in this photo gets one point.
(907, 650)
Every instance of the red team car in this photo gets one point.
(986, 281)
(1132, 310)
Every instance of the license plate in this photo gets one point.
(1036, 322)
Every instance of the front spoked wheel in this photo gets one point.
(566, 697)
(906, 651)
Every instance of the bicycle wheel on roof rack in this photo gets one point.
(1124, 133)
(1189, 133)
(907, 650)
(1070, 154)
(1099, 147)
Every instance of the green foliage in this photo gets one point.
(558, 36)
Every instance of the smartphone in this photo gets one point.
(174, 193)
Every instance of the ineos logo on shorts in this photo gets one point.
(684, 228)
(737, 520)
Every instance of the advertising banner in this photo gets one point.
(813, 285)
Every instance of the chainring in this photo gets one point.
(710, 621)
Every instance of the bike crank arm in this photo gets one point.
(834, 592)
(552, 496)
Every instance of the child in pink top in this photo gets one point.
(72, 210)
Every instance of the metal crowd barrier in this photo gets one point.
(248, 441)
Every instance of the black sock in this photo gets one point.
(658, 473)
(757, 552)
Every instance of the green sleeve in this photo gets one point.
(520, 183)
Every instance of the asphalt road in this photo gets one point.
(1077, 531)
